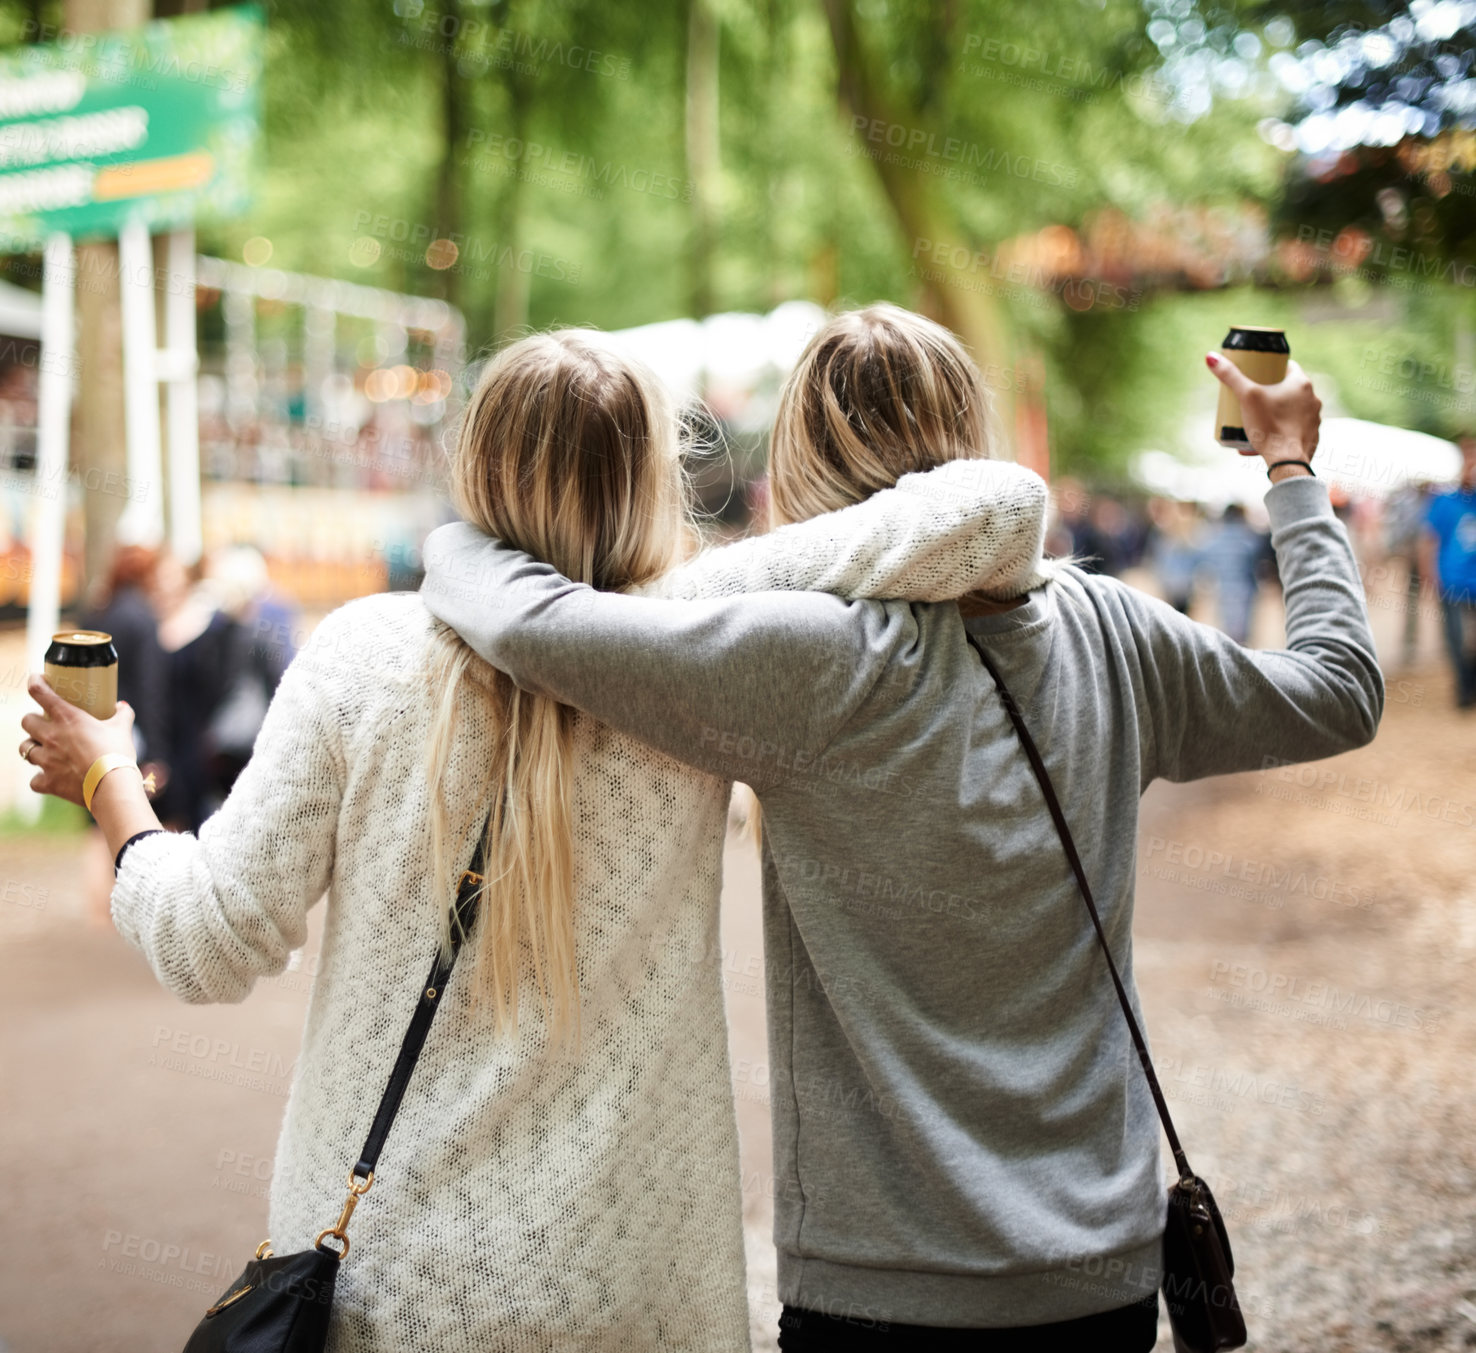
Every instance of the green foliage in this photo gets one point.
(571, 167)
(605, 197)
(1125, 387)
(548, 140)
(1408, 371)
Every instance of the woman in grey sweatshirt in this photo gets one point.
(961, 1130)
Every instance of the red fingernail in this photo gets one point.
(1210, 360)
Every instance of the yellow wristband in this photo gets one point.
(99, 768)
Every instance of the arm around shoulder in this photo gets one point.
(967, 525)
(736, 687)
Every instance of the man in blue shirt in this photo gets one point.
(1450, 551)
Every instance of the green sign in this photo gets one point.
(159, 123)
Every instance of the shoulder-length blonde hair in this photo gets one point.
(569, 452)
(878, 393)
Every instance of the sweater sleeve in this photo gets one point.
(212, 914)
(743, 688)
(968, 525)
(1215, 707)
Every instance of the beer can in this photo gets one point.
(81, 666)
(1262, 354)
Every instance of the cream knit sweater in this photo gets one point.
(525, 1199)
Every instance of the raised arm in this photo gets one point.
(748, 688)
(969, 525)
(1215, 707)
(213, 914)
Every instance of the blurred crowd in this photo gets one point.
(1213, 564)
(386, 452)
(1421, 540)
(18, 393)
(1435, 532)
(200, 653)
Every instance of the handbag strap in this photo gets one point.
(468, 897)
(1069, 845)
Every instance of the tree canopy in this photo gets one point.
(1075, 186)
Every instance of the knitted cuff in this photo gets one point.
(137, 836)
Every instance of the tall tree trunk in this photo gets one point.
(775, 77)
(453, 128)
(702, 149)
(927, 224)
(510, 308)
(99, 450)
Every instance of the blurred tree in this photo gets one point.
(1385, 116)
(897, 124)
(454, 117)
(1409, 61)
(1013, 146)
(1042, 178)
(702, 148)
(97, 410)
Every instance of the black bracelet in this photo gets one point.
(1304, 464)
(137, 836)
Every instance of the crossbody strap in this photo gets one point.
(468, 897)
(1069, 845)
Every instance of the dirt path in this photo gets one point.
(1305, 953)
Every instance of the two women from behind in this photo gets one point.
(563, 1170)
(966, 1152)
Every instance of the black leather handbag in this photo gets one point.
(1198, 1279)
(281, 1303)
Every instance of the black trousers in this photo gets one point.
(1128, 1329)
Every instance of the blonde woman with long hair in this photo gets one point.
(966, 1154)
(563, 1170)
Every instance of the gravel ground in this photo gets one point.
(1309, 1005)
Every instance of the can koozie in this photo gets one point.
(1262, 354)
(81, 666)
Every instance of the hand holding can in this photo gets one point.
(65, 744)
(81, 666)
(1261, 354)
(1282, 422)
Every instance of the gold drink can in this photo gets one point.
(81, 666)
(1262, 354)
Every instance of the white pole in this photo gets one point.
(178, 363)
(142, 521)
(53, 426)
(239, 308)
(319, 338)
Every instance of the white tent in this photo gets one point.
(735, 351)
(1374, 460)
(1365, 460)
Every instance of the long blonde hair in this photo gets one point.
(569, 452)
(878, 393)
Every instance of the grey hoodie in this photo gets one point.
(962, 1135)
